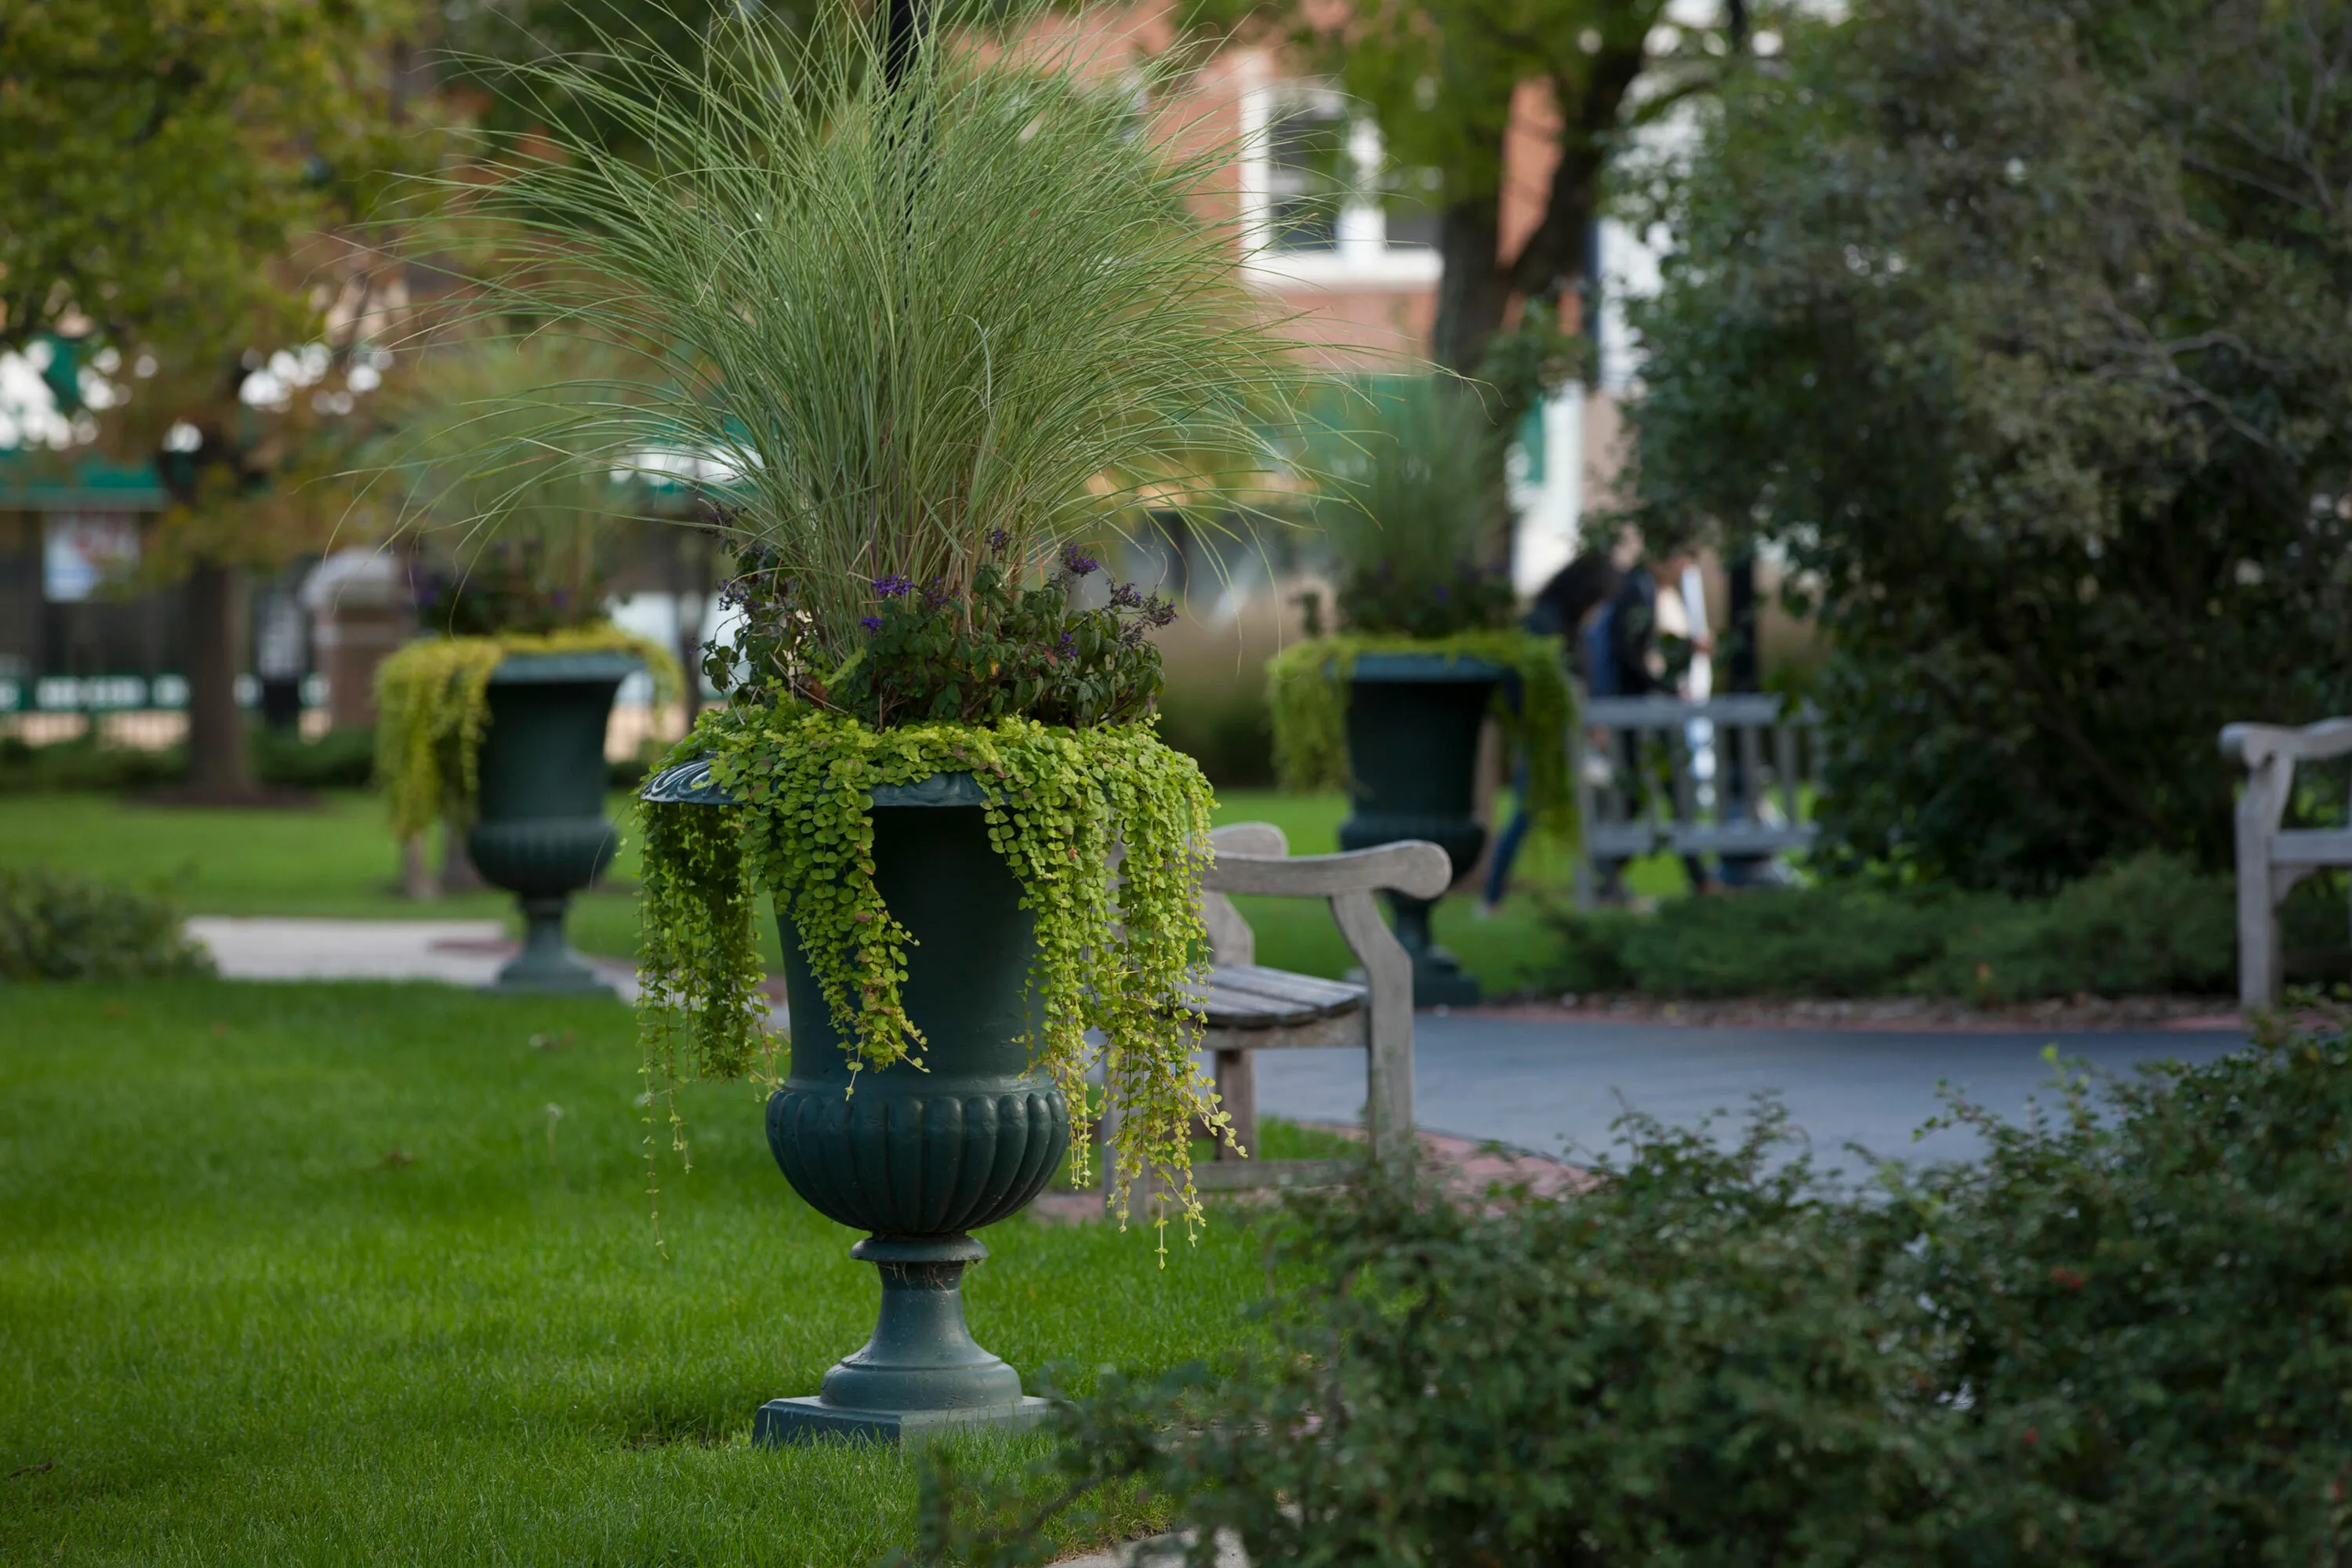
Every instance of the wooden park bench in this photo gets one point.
(2270, 858)
(1250, 1008)
(1765, 753)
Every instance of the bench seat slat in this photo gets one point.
(2312, 847)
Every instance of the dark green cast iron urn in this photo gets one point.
(1412, 753)
(540, 828)
(918, 1158)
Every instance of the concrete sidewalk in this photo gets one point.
(460, 953)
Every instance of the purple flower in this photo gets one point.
(998, 539)
(936, 594)
(893, 587)
(1159, 613)
(1123, 596)
(1076, 564)
(871, 623)
(1067, 648)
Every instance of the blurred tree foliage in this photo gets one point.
(2023, 326)
(1440, 79)
(177, 187)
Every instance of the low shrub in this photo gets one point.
(2149, 924)
(87, 762)
(62, 925)
(1226, 729)
(339, 759)
(343, 758)
(2121, 1336)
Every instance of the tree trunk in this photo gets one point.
(1473, 290)
(219, 762)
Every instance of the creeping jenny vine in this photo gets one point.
(432, 705)
(1307, 688)
(1064, 807)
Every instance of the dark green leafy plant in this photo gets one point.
(2117, 1337)
(61, 925)
(2013, 325)
(939, 654)
(2147, 925)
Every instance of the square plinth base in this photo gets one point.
(811, 1420)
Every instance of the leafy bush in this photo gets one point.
(87, 762)
(2149, 924)
(2114, 1339)
(61, 925)
(339, 759)
(2006, 318)
(1227, 730)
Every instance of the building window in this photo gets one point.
(1322, 203)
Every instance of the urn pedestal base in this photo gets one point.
(921, 1374)
(548, 964)
(1437, 977)
(812, 1420)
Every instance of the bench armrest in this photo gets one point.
(2255, 744)
(1414, 866)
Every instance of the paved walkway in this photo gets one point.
(1555, 1087)
(1551, 1086)
(461, 953)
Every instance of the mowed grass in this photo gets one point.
(338, 860)
(356, 1274)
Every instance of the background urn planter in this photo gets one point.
(918, 1158)
(1412, 752)
(540, 829)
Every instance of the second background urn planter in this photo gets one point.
(1413, 720)
(918, 1158)
(540, 829)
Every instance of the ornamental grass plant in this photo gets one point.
(513, 521)
(1413, 517)
(921, 327)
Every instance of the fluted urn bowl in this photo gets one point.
(540, 829)
(919, 1157)
(1412, 753)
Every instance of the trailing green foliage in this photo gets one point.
(1307, 690)
(2148, 925)
(432, 705)
(1110, 958)
(2118, 1337)
(62, 925)
(2015, 325)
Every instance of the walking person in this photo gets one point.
(1564, 607)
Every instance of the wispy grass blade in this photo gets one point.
(900, 318)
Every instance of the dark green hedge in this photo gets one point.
(2121, 1336)
(2143, 926)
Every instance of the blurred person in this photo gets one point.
(1563, 607)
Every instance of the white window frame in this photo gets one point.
(1363, 257)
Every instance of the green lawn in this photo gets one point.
(344, 1274)
(338, 860)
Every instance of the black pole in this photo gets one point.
(905, 26)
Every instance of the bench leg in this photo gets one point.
(1237, 1091)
